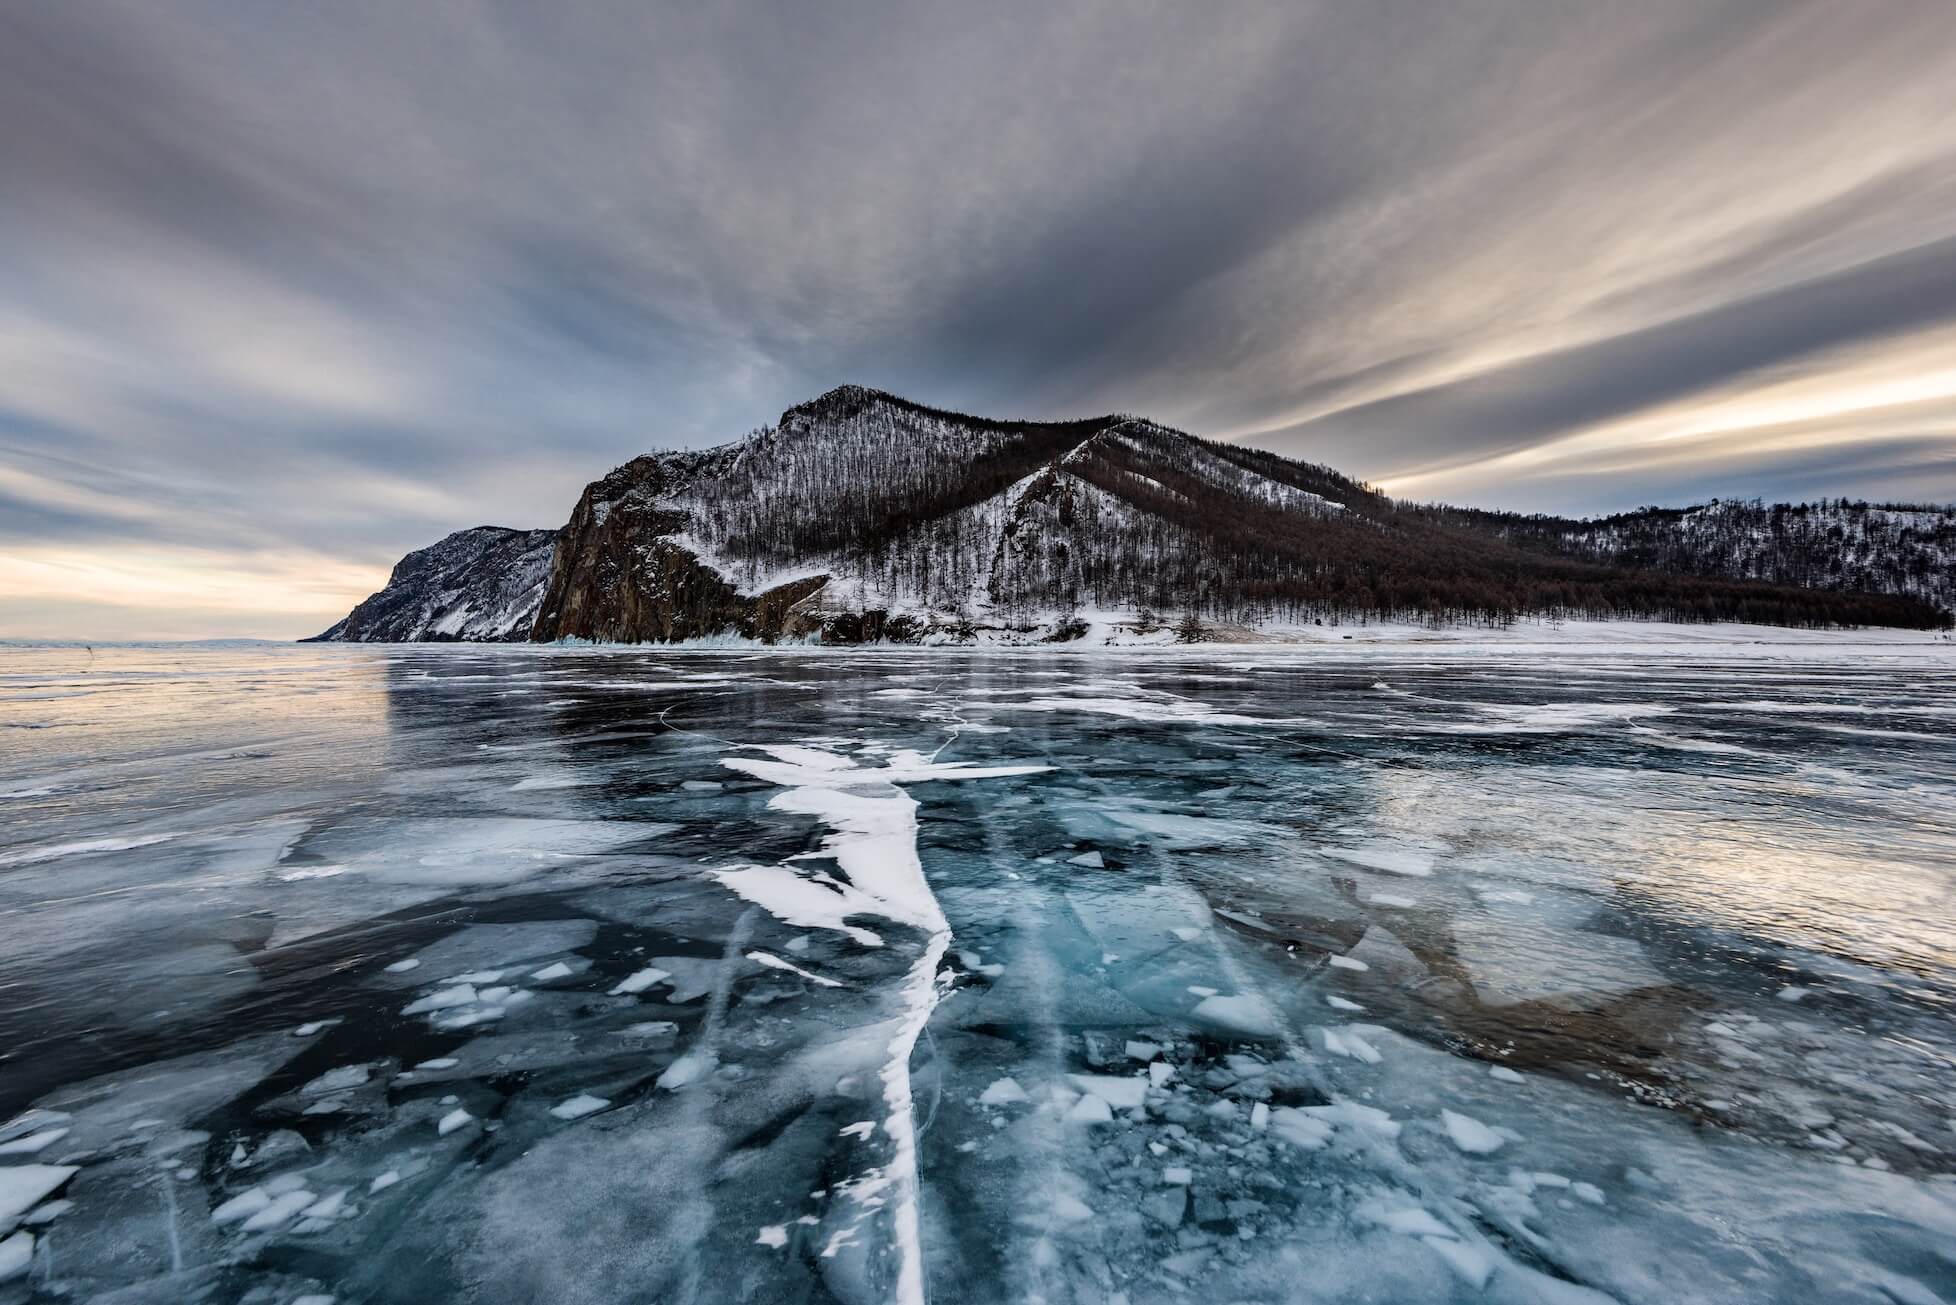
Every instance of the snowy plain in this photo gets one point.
(1572, 964)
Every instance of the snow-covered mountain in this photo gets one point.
(862, 516)
(1833, 544)
(480, 585)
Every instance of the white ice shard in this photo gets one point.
(22, 1187)
(579, 1106)
(33, 1143)
(1002, 1092)
(454, 1119)
(16, 1253)
(640, 980)
(1246, 1013)
(1470, 1134)
(1391, 860)
(1119, 1092)
(461, 994)
(1090, 1109)
(279, 1210)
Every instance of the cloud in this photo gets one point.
(323, 283)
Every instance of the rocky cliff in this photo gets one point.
(479, 585)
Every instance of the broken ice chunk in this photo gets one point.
(549, 972)
(1090, 1109)
(1186, 932)
(23, 1186)
(279, 1210)
(1351, 1114)
(1245, 1013)
(1346, 1042)
(649, 1029)
(1120, 1093)
(16, 1253)
(1412, 1220)
(307, 1030)
(33, 1143)
(694, 1065)
(1091, 860)
(1391, 860)
(1159, 1072)
(442, 999)
(439, 1062)
(240, 1207)
(402, 967)
(776, 1234)
(1178, 1176)
(337, 1080)
(1391, 899)
(1348, 963)
(48, 1213)
(1259, 1116)
(1002, 1092)
(327, 1206)
(1469, 1134)
(579, 1106)
(32, 1121)
(384, 1181)
(1502, 1074)
(451, 1121)
(640, 981)
(1141, 1050)
(1339, 1003)
(1299, 1129)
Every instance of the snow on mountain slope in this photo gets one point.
(479, 585)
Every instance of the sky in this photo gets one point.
(288, 290)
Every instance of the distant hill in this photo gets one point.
(862, 516)
(1835, 544)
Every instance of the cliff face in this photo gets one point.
(617, 575)
(479, 585)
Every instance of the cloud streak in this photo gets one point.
(304, 288)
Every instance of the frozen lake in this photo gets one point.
(1399, 975)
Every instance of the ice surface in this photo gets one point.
(911, 1042)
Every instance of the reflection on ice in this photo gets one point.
(583, 976)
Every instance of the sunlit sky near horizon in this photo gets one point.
(286, 291)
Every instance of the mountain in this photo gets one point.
(479, 585)
(1833, 544)
(864, 516)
